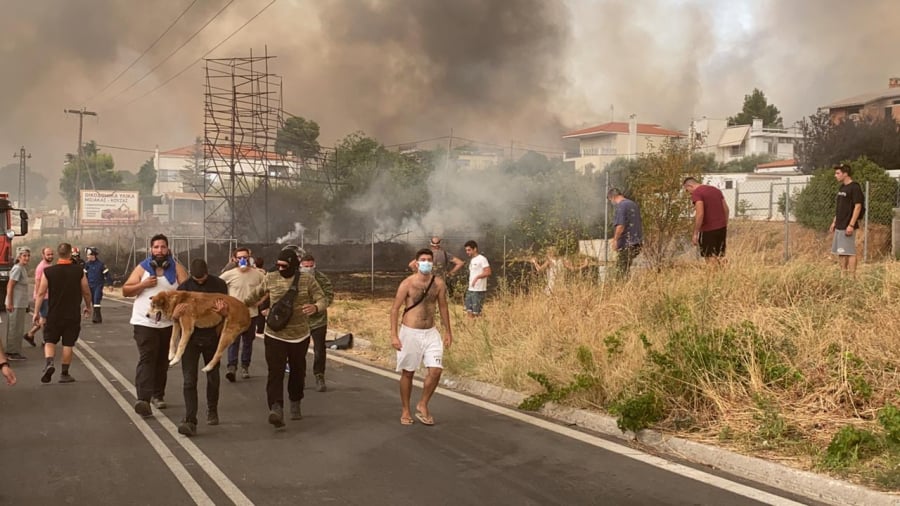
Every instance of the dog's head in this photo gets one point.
(161, 304)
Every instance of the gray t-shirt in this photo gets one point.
(629, 215)
(21, 293)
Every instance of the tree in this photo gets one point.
(95, 171)
(756, 106)
(814, 205)
(826, 144)
(656, 184)
(193, 179)
(300, 137)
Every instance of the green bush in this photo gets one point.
(889, 418)
(637, 412)
(849, 446)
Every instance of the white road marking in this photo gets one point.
(181, 473)
(672, 467)
(225, 484)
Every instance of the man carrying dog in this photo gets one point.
(242, 281)
(289, 345)
(65, 286)
(203, 342)
(417, 340)
(156, 273)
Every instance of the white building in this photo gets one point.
(729, 143)
(599, 145)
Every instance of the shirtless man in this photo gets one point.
(417, 340)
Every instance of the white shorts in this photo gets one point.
(418, 346)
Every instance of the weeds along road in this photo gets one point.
(81, 443)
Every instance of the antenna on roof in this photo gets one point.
(612, 112)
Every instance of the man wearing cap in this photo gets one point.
(17, 299)
(98, 276)
(203, 342)
(445, 264)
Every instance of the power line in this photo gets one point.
(107, 146)
(151, 46)
(210, 20)
(185, 69)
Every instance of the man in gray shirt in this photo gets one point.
(629, 232)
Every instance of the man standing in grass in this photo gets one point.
(710, 219)
(415, 336)
(479, 271)
(848, 212)
(629, 232)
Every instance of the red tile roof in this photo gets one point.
(621, 127)
(790, 162)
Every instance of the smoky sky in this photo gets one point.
(514, 70)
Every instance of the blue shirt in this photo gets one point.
(97, 273)
(629, 215)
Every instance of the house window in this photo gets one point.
(729, 185)
(735, 151)
(168, 176)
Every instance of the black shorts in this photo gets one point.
(65, 329)
(712, 242)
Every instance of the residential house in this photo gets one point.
(734, 142)
(477, 159)
(873, 105)
(599, 145)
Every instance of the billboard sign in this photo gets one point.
(109, 207)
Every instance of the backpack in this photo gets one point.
(280, 313)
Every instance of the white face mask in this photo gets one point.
(309, 270)
(425, 266)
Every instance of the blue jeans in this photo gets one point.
(474, 301)
(97, 294)
(246, 337)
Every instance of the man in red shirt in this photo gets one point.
(710, 219)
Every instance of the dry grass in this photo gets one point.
(838, 337)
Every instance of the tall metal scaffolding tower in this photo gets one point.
(243, 113)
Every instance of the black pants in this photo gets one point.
(625, 258)
(318, 337)
(153, 361)
(279, 353)
(197, 347)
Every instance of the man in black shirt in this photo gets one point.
(67, 287)
(848, 212)
(203, 342)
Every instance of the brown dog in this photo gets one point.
(200, 312)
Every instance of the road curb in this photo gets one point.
(807, 484)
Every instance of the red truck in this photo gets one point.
(7, 254)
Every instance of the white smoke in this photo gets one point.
(296, 236)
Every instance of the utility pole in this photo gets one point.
(80, 153)
(22, 155)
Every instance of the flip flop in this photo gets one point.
(406, 421)
(426, 420)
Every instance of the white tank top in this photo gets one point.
(142, 304)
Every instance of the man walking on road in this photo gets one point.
(156, 273)
(417, 340)
(98, 277)
(17, 300)
(203, 342)
(318, 322)
(288, 346)
(479, 271)
(629, 231)
(710, 219)
(46, 261)
(242, 281)
(848, 212)
(65, 286)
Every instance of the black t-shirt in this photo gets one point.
(64, 291)
(848, 196)
(213, 284)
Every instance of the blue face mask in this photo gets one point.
(425, 266)
(242, 263)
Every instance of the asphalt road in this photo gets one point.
(81, 443)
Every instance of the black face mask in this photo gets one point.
(293, 263)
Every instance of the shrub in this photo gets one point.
(848, 446)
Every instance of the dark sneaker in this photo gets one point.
(16, 356)
(230, 374)
(49, 369)
(143, 408)
(295, 411)
(187, 428)
(66, 378)
(320, 383)
(212, 417)
(158, 403)
(245, 372)
(30, 340)
(276, 416)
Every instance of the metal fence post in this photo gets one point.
(787, 219)
(866, 227)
